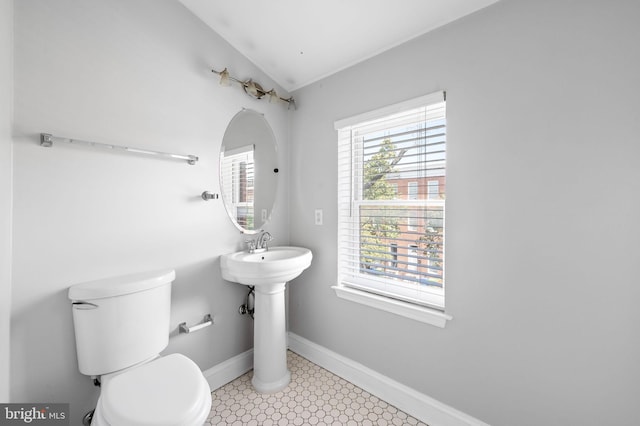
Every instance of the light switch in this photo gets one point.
(318, 216)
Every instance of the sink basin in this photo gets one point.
(277, 265)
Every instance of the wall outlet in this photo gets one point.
(318, 216)
(264, 215)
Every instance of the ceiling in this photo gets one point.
(297, 42)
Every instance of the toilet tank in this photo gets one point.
(121, 321)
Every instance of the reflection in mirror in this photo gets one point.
(236, 169)
(248, 171)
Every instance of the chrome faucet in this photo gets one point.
(263, 240)
(259, 244)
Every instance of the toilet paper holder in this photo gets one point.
(206, 322)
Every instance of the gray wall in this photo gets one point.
(543, 208)
(6, 83)
(129, 73)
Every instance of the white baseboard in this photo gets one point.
(412, 402)
(229, 370)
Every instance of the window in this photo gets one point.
(412, 223)
(391, 202)
(412, 189)
(393, 247)
(433, 189)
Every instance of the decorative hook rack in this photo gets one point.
(253, 88)
(47, 140)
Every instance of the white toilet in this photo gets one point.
(121, 326)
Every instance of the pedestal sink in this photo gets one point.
(269, 271)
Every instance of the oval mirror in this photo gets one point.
(248, 171)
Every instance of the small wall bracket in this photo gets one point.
(46, 140)
(206, 195)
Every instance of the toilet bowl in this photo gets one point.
(168, 391)
(121, 325)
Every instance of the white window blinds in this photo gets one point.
(237, 179)
(391, 201)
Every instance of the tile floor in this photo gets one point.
(314, 397)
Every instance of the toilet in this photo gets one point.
(121, 326)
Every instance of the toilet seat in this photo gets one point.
(168, 391)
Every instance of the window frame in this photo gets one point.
(367, 294)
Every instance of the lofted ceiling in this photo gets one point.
(297, 42)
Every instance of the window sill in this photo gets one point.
(408, 310)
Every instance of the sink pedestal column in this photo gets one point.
(270, 372)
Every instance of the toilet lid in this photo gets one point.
(169, 391)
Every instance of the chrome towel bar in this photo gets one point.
(47, 140)
(206, 322)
